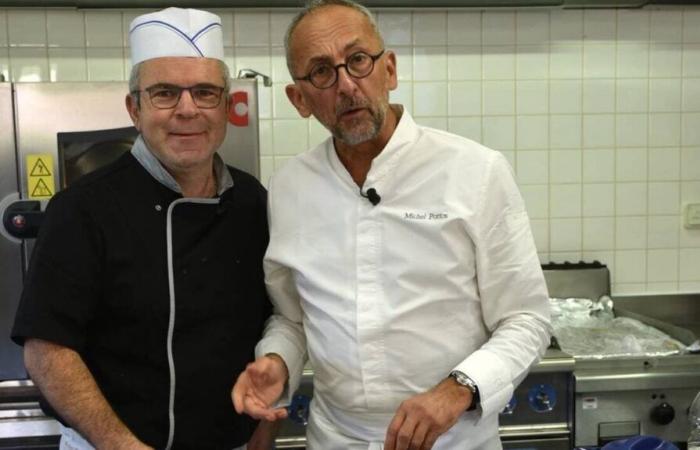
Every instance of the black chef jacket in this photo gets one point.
(98, 284)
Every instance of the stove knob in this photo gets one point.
(662, 414)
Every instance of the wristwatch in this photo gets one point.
(465, 380)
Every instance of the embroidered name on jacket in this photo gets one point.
(424, 216)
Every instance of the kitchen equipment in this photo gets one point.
(64, 130)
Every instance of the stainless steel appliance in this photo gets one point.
(64, 130)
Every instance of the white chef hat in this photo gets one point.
(176, 32)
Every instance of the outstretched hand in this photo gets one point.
(259, 386)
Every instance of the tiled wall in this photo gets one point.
(597, 110)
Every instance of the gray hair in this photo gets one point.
(136, 72)
(313, 5)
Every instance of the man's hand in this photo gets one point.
(421, 419)
(259, 386)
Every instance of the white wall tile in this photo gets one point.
(439, 123)
(265, 136)
(278, 63)
(536, 198)
(632, 25)
(566, 25)
(429, 28)
(689, 267)
(665, 95)
(631, 199)
(251, 29)
(430, 98)
(565, 166)
(128, 15)
(662, 265)
(662, 287)
(254, 58)
(26, 28)
(689, 286)
(599, 25)
(691, 95)
(664, 164)
(532, 97)
(4, 64)
(690, 129)
(267, 168)
(629, 288)
(664, 129)
(279, 22)
(566, 61)
(468, 127)
(565, 200)
(564, 131)
(604, 256)
(598, 96)
(289, 136)
(565, 256)
(691, 60)
(403, 95)
(532, 27)
(632, 60)
(632, 95)
(103, 29)
(429, 63)
(690, 164)
(65, 28)
(498, 62)
(105, 64)
(663, 232)
(598, 130)
(630, 266)
(631, 130)
(565, 96)
(532, 62)
(565, 235)
(631, 164)
(691, 30)
(630, 233)
(599, 60)
(29, 64)
(67, 64)
(664, 198)
(464, 63)
(532, 132)
(498, 28)
(532, 167)
(598, 165)
(666, 26)
(463, 28)
(598, 199)
(3, 28)
(598, 233)
(665, 60)
(464, 98)
(499, 97)
(282, 108)
(404, 63)
(265, 102)
(396, 27)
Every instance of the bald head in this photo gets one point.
(314, 6)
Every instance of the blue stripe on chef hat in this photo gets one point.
(176, 32)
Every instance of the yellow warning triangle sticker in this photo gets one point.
(40, 170)
(41, 190)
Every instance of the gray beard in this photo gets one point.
(361, 130)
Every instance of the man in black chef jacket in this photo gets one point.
(145, 296)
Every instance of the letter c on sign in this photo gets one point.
(238, 114)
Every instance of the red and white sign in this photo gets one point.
(238, 114)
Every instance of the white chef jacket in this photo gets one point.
(442, 274)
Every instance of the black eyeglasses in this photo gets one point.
(358, 65)
(167, 96)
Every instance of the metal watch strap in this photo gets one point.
(465, 380)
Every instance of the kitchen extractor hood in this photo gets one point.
(369, 3)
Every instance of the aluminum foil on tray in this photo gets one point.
(588, 329)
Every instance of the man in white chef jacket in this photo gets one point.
(400, 258)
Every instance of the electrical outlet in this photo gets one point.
(692, 215)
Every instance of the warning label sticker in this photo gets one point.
(40, 179)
